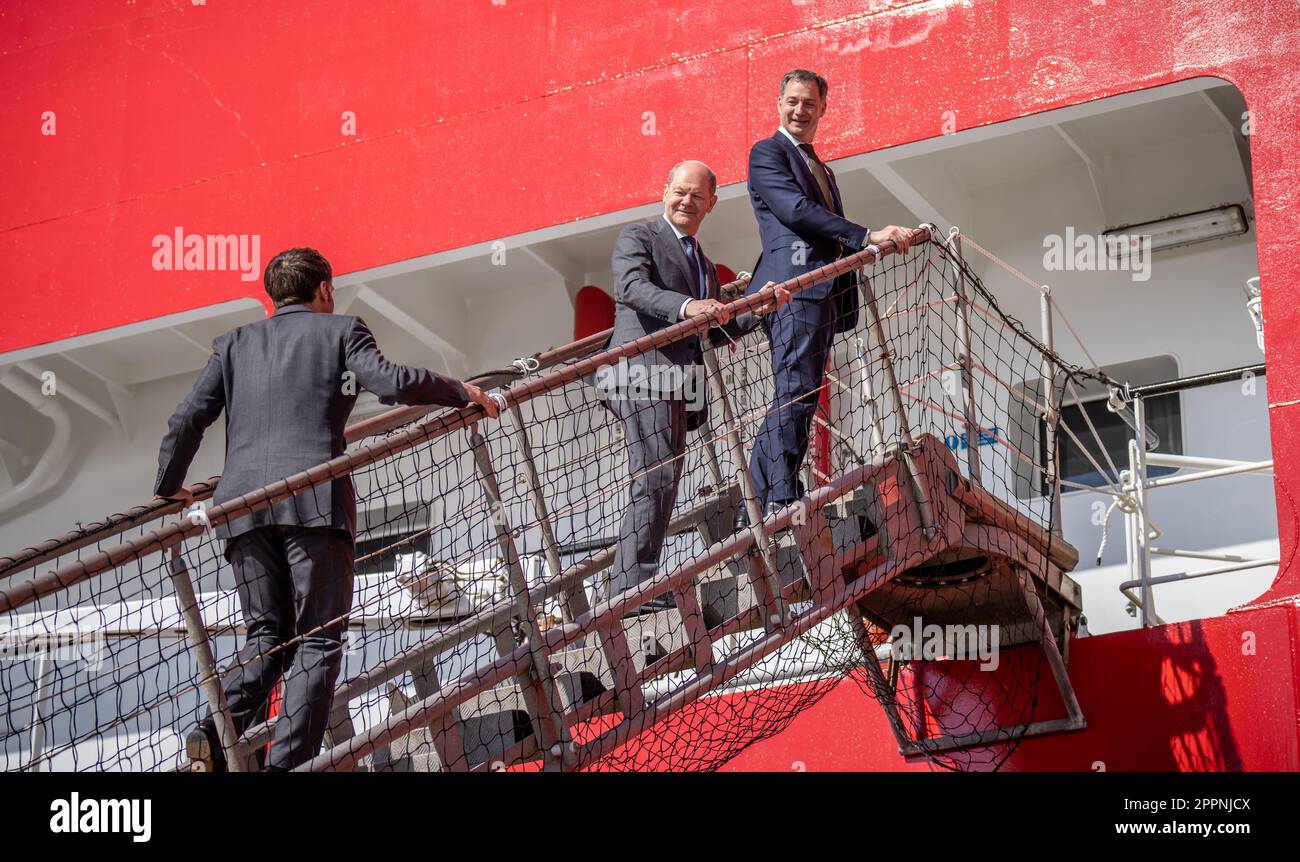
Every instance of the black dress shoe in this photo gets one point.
(742, 515)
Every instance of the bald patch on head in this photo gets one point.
(693, 167)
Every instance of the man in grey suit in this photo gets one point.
(662, 276)
(287, 385)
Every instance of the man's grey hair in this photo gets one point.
(806, 76)
(713, 179)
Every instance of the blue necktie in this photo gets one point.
(697, 269)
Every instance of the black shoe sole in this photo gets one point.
(203, 753)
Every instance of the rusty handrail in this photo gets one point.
(382, 423)
(25, 592)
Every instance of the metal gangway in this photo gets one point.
(547, 670)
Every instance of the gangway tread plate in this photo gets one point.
(717, 508)
(729, 591)
(491, 724)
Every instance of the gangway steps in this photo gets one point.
(659, 641)
(822, 557)
(895, 532)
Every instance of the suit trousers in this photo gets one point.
(655, 436)
(295, 588)
(801, 334)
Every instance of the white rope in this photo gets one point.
(1128, 504)
(526, 365)
(198, 516)
(1125, 502)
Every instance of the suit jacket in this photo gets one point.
(652, 278)
(798, 233)
(282, 385)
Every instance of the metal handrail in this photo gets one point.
(170, 535)
(1135, 485)
(381, 423)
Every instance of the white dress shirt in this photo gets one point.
(679, 233)
(783, 130)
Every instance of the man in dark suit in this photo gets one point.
(287, 385)
(802, 227)
(662, 276)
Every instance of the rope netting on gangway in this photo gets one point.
(484, 632)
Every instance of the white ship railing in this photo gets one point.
(1136, 484)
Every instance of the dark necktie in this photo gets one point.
(819, 174)
(697, 267)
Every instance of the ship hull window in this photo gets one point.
(1164, 418)
(1027, 431)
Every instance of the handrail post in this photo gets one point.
(973, 431)
(1130, 547)
(574, 600)
(234, 748)
(539, 686)
(1142, 538)
(877, 332)
(613, 641)
(1050, 416)
(37, 746)
(875, 428)
(711, 457)
(762, 544)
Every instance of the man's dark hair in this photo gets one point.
(809, 77)
(293, 275)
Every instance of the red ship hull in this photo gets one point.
(528, 87)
